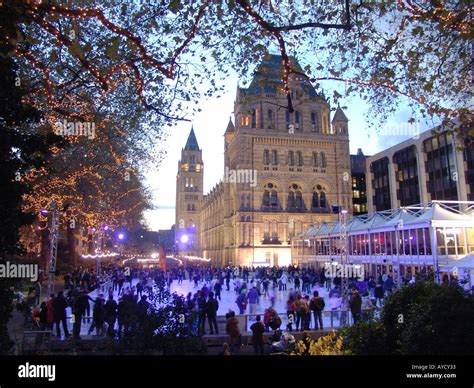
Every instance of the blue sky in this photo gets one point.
(209, 126)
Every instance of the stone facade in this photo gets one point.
(283, 172)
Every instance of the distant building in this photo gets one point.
(359, 187)
(419, 170)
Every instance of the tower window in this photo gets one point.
(254, 118)
(314, 122)
(298, 120)
(270, 119)
(315, 159)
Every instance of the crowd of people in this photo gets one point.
(121, 297)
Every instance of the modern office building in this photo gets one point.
(422, 169)
(359, 186)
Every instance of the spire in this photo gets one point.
(192, 144)
(339, 115)
(230, 126)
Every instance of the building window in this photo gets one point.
(291, 158)
(314, 122)
(270, 123)
(315, 159)
(299, 200)
(274, 157)
(291, 200)
(322, 200)
(266, 198)
(315, 200)
(246, 121)
(380, 184)
(299, 158)
(274, 199)
(298, 122)
(270, 199)
(254, 118)
(440, 167)
(288, 119)
(407, 176)
(323, 159)
(295, 199)
(266, 157)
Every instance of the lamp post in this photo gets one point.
(344, 259)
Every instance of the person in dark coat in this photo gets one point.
(258, 328)
(355, 304)
(378, 293)
(99, 315)
(211, 310)
(110, 316)
(59, 306)
(78, 308)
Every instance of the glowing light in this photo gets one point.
(184, 238)
(121, 236)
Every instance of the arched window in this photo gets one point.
(299, 200)
(248, 201)
(266, 157)
(266, 198)
(291, 199)
(254, 118)
(323, 159)
(322, 200)
(274, 199)
(315, 159)
(299, 158)
(274, 157)
(270, 119)
(291, 158)
(315, 200)
(298, 122)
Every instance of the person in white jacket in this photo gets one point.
(284, 281)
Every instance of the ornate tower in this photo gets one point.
(189, 189)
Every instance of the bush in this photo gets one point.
(420, 319)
